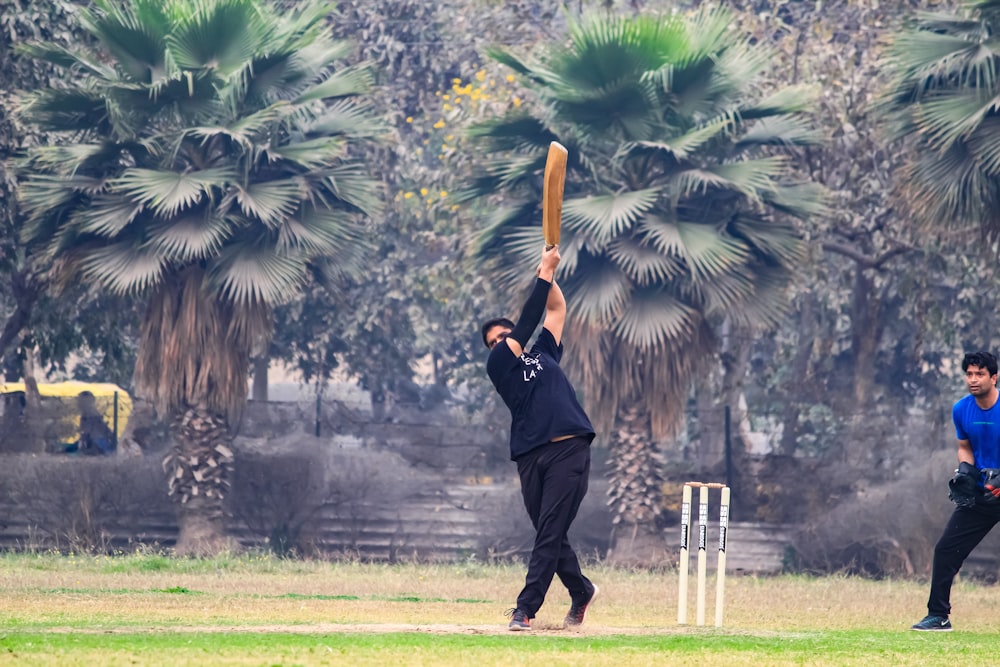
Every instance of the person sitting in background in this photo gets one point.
(96, 438)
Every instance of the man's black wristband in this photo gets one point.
(531, 314)
(967, 469)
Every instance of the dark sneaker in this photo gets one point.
(578, 611)
(933, 624)
(519, 621)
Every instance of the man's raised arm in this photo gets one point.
(533, 310)
(555, 312)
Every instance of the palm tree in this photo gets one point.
(209, 168)
(677, 223)
(945, 73)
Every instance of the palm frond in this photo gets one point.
(801, 200)
(108, 216)
(66, 59)
(780, 131)
(749, 177)
(600, 292)
(322, 233)
(626, 109)
(521, 253)
(949, 117)
(652, 319)
(309, 154)
(70, 110)
(984, 144)
(71, 158)
(950, 189)
(602, 217)
(219, 36)
(136, 43)
(926, 60)
(43, 192)
(709, 253)
(505, 57)
(246, 130)
(685, 145)
(347, 117)
(302, 70)
(513, 132)
(346, 82)
(196, 236)
(642, 262)
(270, 202)
(250, 273)
(792, 99)
(123, 267)
(350, 186)
(515, 169)
(754, 300)
(496, 221)
(774, 239)
(167, 193)
(726, 292)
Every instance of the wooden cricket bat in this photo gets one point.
(552, 193)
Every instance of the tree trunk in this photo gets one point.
(801, 375)
(859, 448)
(33, 414)
(260, 368)
(199, 468)
(25, 292)
(636, 489)
(865, 335)
(735, 361)
(711, 423)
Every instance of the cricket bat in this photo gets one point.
(552, 193)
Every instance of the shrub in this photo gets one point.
(885, 531)
(82, 503)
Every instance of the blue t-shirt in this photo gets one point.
(981, 428)
(541, 400)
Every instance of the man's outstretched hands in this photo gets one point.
(550, 260)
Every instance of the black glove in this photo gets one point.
(962, 488)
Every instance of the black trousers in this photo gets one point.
(554, 481)
(965, 529)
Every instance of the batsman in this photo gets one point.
(550, 434)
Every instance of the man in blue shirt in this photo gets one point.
(550, 436)
(975, 489)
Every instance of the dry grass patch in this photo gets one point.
(264, 593)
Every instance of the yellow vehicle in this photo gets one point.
(113, 402)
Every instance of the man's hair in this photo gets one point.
(982, 360)
(495, 322)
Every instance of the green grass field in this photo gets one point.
(252, 610)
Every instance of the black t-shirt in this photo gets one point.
(541, 400)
